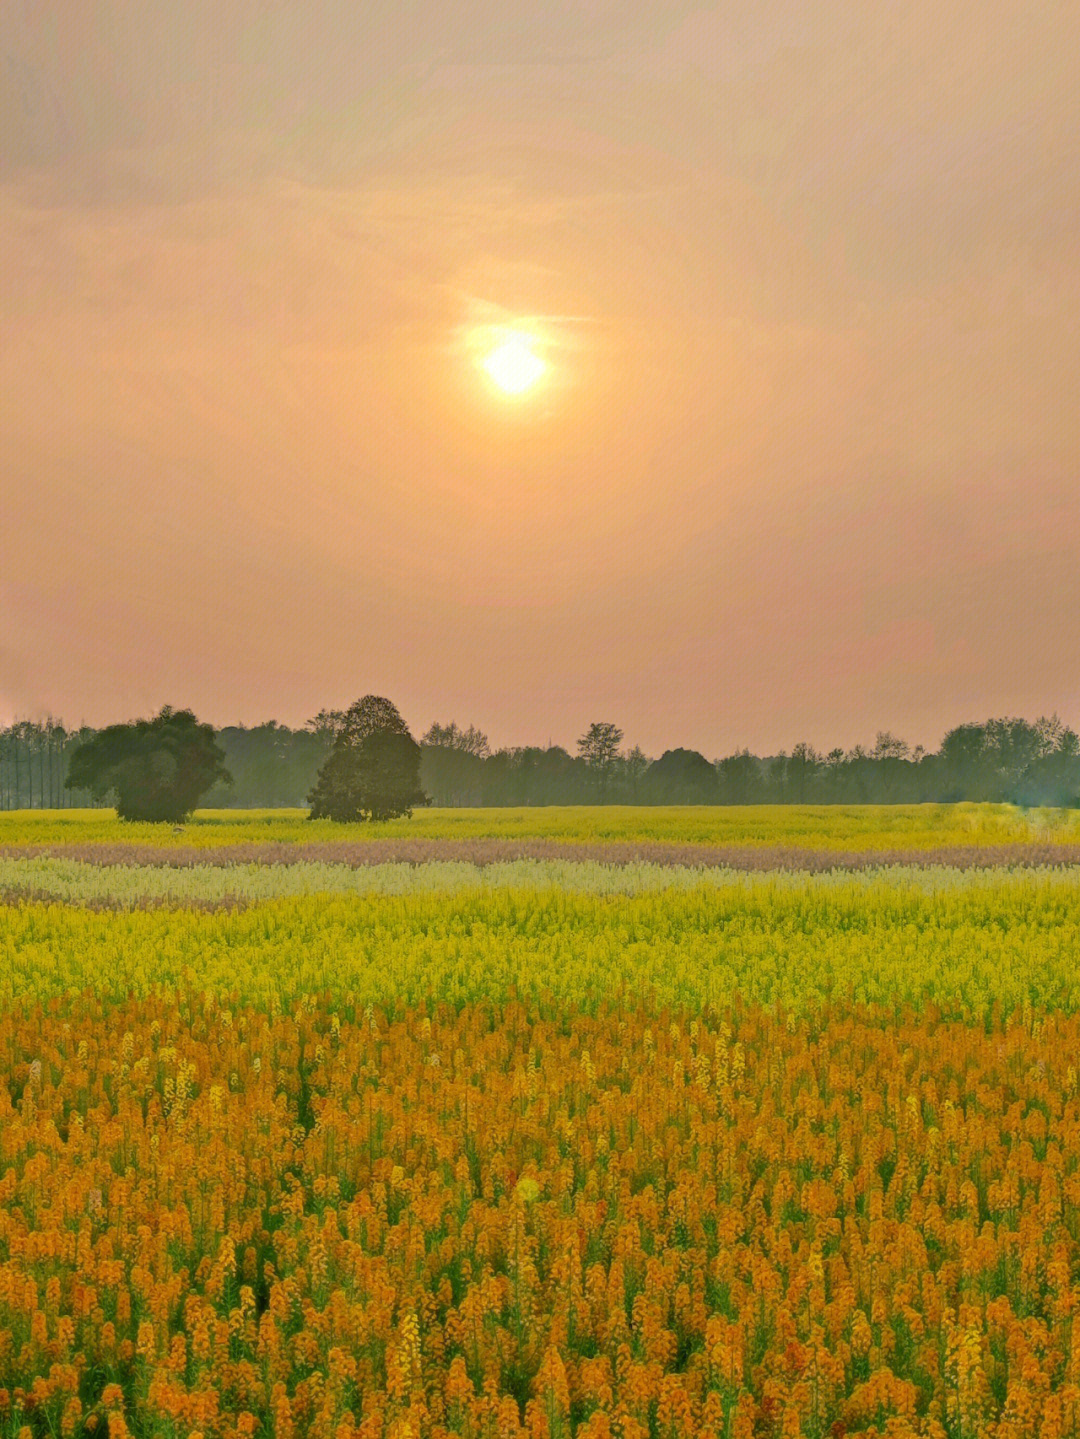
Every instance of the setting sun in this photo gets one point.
(513, 366)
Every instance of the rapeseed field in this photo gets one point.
(490, 1142)
(838, 827)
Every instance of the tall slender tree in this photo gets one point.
(599, 748)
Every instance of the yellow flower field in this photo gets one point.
(783, 1155)
(839, 827)
(991, 946)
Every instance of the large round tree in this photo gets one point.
(373, 771)
(681, 776)
(157, 769)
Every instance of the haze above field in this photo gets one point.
(803, 462)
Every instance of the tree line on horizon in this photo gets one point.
(271, 766)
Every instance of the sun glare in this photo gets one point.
(513, 366)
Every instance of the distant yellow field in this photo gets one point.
(848, 827)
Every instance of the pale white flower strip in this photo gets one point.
(127, 885)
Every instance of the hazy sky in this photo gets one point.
(805, 462)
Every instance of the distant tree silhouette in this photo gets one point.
(681, 776)
(1053, 777)
(741, 779)
(327, 723)
(634, 764)
(366, 716)
(158, 769)
(1015, 745)
(451, 736)
(271, 764)
(988, 761)
(1004, 759)
(964, 763)
(451, 763)
(530, 775)
(803, 767)
(776, 771)
(892, 759)
(373, 771)
(599, 748)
